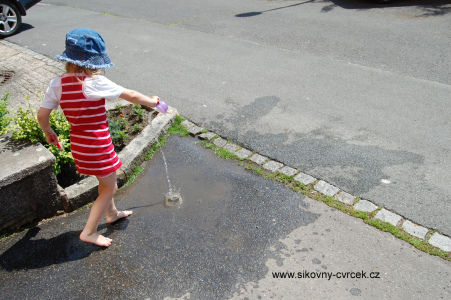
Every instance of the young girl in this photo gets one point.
(81, 93)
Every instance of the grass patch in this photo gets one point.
(154, 148)
(207, 145)
(178, 128)
(223, 153)
(136, 171)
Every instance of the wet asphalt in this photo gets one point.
(233, 231)
(219, 238)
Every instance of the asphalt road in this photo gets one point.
(233, 233)
(350, 92)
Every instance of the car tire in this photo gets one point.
(10, 19)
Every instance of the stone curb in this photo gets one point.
(437, 240)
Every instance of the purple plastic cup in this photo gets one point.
(162, 107)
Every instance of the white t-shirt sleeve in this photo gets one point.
(52, 94)
(101, 87)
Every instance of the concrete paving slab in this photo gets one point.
(272, 166)
(243, 153)
(234, 233)
(231, 148)
(388, 216)
(366, 206)
(195, 130)
(207, 135)
(288, 171)
(326, 188)
(440, 241)
(304, 178)
(345, 198)
(220, 142)
(414, 229)
(258, 159)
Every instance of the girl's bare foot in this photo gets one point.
(119, 215)
(96, 238)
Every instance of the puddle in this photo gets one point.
(227, 227)
(173, 200)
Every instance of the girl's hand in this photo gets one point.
(52, 138)
(156, 99)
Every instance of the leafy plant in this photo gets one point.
(118, 106)
(123, 122)
(140, 112)
(61, 127)
(27, 128)
(118, 135)
(137, 128)
(4, 119)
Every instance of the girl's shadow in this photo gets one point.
(29, 253)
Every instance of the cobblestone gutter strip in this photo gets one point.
(425, 239)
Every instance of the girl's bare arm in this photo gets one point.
(43, 119)
(138, 98)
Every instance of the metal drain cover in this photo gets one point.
(6, 76)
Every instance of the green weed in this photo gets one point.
(178, 128)
(5, 120)
(140, 113)
(118, 135)
(26, 127)
(136, 171)
(137, 128)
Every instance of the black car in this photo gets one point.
(11, 12)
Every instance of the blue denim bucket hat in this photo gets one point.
(86, 48)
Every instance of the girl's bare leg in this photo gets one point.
(107, 188)
(112, 214)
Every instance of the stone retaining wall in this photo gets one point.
(28, 187)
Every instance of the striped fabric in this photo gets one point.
(91, 144)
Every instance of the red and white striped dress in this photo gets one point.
(91, 144)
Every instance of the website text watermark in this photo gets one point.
(326, 275)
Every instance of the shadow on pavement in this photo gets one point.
(431, 8)
(256, 13)
(29, 253)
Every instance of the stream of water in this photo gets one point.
(172, 198)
